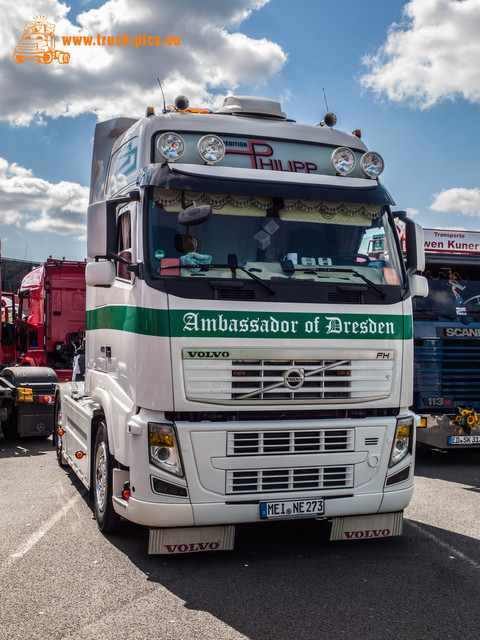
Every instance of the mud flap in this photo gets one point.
(379, 525)
(191, 539)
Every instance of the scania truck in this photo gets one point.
(246, 359)
(447, 342)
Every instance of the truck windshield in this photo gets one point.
(453, 291)
(272, 239)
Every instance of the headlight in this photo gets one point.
(171, 146)
(163, 449)
(343, 160)
(402, 443)
(211, 149)
(371, 164)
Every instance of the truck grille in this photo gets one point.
(448, 369)
(305, 479)
(324, 380)
(248, 443)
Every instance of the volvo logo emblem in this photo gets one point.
(293, 379)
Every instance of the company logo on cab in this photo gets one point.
(38, 43)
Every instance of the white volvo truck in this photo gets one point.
(247, 360)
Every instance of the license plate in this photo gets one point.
(292, 509)
(463, 439)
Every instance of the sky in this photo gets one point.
(407, 74)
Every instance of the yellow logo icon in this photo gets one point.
(38, 43)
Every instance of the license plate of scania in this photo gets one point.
(292, 509)
(464, 440)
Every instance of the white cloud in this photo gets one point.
(109, 80)
(34, 204)
(458, 200)
(433, 55)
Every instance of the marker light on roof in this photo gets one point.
(211, 149)
(171, 146)
(343, 160)
(372, 164)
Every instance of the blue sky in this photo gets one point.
(405, 73)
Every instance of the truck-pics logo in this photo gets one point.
(38, 43)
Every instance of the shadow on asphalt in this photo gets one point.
(286, 580)
(461, 466)
(25, 447)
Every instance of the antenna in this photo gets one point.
(325, 98)
(164, 106)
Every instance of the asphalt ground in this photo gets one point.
(62, 579)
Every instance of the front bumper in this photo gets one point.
(155, 514)
(439, 432)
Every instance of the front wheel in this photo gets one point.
(107, 518)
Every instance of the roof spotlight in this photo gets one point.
(330, 119)
(211, 149)
(372, 164)
(181, 103)
(170, 146)
(343, 161)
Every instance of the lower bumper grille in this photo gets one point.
(261, 480)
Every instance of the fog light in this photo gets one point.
(400, 476)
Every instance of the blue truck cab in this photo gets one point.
(447, 342)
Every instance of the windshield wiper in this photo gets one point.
(206, 267)
(289, 267)
(233, 265)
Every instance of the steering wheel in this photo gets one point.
(359, 259)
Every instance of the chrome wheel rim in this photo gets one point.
(101, 475)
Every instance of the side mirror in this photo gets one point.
(101, 225)
(414, 243)
(100, 274)
(418, 286)
(195, 215)
(97, 229)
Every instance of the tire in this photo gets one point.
(10, 427)
(58, 438)
(107, 519)
(47, 57)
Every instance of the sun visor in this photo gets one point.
(191, 177)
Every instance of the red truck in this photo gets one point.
(8, 350)
(44, 337)
(52, 316)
